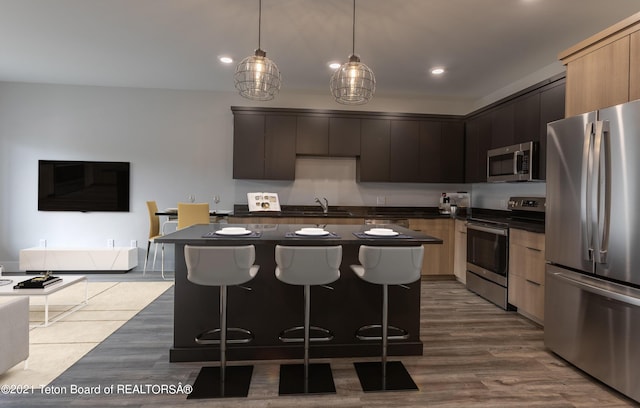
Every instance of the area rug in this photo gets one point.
(55, 348)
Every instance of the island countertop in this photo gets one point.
(272, 306)
(284, 234)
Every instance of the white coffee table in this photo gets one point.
(67, 280)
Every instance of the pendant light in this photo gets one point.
(353, 83)
(257, 77)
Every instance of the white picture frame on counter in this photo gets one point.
(263, 202)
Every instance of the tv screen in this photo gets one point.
(83, 186)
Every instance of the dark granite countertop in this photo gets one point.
(391, 213)
(241, 210)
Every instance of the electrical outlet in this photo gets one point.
(381, 200)
(110, 243)
(43, 243)
(134, 243)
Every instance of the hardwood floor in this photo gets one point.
(475, 355)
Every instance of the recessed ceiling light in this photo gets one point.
(437, 71)
(334, 65)
(226, 60)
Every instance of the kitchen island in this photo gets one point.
(272, 306)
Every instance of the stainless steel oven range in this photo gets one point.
(488, 260)
(488, 248)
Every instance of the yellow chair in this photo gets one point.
(154, 232)
(192, 213)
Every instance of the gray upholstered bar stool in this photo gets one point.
(221, 266)
(307, 266)
(386, 266)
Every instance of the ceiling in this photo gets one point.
(484, 45)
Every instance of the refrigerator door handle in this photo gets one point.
(586, 184)
(603, 190)
(595, 289)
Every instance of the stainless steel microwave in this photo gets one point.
(513, 163)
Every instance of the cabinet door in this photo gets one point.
(478, 140)
(527, 119)
(438, 258)
(460, 251)
(312, 135)
(344, 137)
(374, 150)
(634, 66)
(452, 153)
(598, 79)
(404, 152)
(551, 108)
(248, 146)
(430, 151)
(280, 147)
(502, 125)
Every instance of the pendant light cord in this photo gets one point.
(260, 21)
(353, 40)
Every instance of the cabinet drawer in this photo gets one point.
(527, 296)
(526, 238)
(527, 263)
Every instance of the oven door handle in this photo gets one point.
(496, 231)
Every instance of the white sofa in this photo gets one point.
(14, 331)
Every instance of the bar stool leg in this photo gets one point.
(223, 336)
(223, 381)
(384, 376)
(307, 378)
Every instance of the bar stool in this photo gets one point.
(221, 266)
(386, 266)
(306, 266)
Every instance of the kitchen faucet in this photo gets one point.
(325, 206)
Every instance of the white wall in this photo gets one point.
(178, 143)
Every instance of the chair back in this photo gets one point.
(312, 265)
(154, 220)
(220, 265)
(192, 213)
(391, 265)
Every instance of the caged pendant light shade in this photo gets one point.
(353, 83)
(257, 77)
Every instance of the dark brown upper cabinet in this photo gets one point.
(375, 135)
(312, 136)
(344, 137)
(502, 125)
(451, 154)
(264, 146)
(248, 130)
(527, 119)
(280, 148)
(441, 152)
(404, 151)
(552, 107)
(522, 117)
(478, 141)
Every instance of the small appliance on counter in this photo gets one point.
(458, 204)
(263, 202)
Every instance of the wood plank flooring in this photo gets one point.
(475, 355)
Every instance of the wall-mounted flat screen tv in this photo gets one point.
(83, 186)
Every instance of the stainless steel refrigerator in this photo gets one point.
(592, 286)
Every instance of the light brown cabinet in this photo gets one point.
(526, 273)
(460, 251)
(602, 70)
(438, 259)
